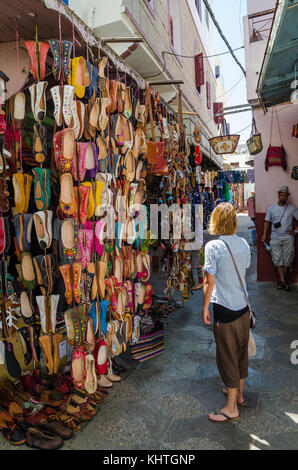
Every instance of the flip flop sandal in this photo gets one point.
(227, 420)
(286, 287)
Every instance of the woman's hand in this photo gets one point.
(206, 317)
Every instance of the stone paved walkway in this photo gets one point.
(163, 404)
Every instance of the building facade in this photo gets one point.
(270, 49)
(170, 29)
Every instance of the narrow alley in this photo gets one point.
(163, 404)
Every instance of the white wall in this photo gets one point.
(268, 182)
(106, 11)
(255, 6)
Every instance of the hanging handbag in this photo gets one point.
(254, 143)
(223, 144)
(294, 174)
(157, 161)
(295, 131)
(151, 343)
(276, 156)
(253, 318)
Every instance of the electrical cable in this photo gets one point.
(234, 86)
(223, 36)
(187, 57)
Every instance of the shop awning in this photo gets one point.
(278, 69)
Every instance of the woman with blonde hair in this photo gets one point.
(223, 289)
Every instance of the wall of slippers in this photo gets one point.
(80, 155)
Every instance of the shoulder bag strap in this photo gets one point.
(239, 277)
(283, 213)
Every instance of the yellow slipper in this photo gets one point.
(78, 67)
(19, 192)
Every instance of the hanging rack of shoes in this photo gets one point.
(85, 147)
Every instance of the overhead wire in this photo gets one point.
(187, 57)
(222, 35)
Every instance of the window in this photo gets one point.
(207, 18)
(171, 31)
(175, 27)
(199, 8)
(208, 94)
(217, 71)
(199, 71)
(218, 109)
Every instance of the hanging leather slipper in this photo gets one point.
(19, 111)
(11, 363)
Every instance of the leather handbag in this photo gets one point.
(157, 163)
(253, 318)
(223, 144)
(276, 156)
(254, 143)
(294, 174)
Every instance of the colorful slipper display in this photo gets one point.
(76, 289)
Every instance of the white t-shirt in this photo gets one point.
(218, 262)
(283, 214)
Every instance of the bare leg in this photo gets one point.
(230, 409)
(281, 273)
(240, 397)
